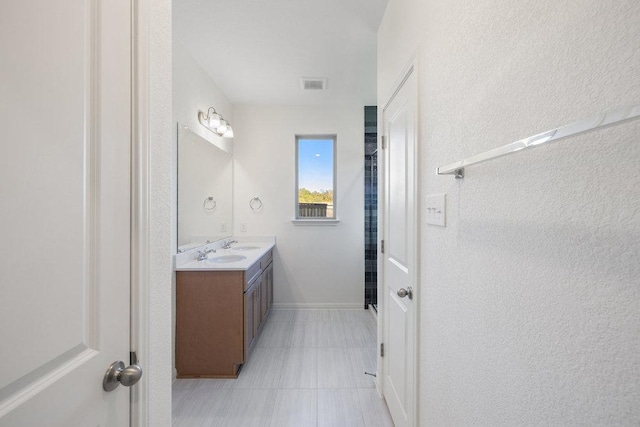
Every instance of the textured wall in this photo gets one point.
(160, 269)
(314, 265)
(529, 298)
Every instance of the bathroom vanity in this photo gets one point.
(222, 302)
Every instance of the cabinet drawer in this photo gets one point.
(266, 260)
(251, 274)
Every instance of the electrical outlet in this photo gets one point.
(223, 227)
(243, 227)
(435, 210)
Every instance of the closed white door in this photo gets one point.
(399, 265)
(65, 124)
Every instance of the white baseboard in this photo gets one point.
(326, 306)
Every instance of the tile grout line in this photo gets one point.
(286, 347)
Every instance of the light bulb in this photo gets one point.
(228, 133)
(222, 127)
(214, 120)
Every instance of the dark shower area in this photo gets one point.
(370, 207)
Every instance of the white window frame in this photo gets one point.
(316, 220)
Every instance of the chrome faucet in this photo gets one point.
(227, 244)
(202, 255)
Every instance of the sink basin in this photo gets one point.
(244, 248)
(227, 258)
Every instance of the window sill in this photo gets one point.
(315, 222)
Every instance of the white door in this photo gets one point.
(65, 124)
(399, 258)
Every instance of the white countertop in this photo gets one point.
(187, 261)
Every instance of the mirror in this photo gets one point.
(205, 183)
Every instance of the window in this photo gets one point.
(315, 177)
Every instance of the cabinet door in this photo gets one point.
(269, 274)
(256, 308)
(264, 292)
(249, 331)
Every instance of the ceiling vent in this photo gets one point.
(313, 83)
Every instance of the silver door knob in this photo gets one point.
(402, 292)
(117, 374)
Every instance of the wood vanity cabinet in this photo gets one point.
(266, 287)
(251, 314)
(219, 315)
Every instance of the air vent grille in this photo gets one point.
(312, 83)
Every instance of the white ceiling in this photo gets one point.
(256, 51)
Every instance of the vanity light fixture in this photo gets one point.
(214, 121)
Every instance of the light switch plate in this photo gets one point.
(435, 210)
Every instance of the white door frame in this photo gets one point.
(410, 68)
(140, 221)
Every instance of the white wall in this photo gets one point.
(193, 91)
(158, 372)
(315, 266)
(529, 298)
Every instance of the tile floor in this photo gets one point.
(307, 369)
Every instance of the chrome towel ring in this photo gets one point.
(209, 204)
(255, 204)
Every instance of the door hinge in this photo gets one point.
(381, 349)
(384, 142)
(381, 246)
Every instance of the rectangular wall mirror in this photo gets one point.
(205, 191)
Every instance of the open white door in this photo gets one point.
(399, 257)
(65, 121)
